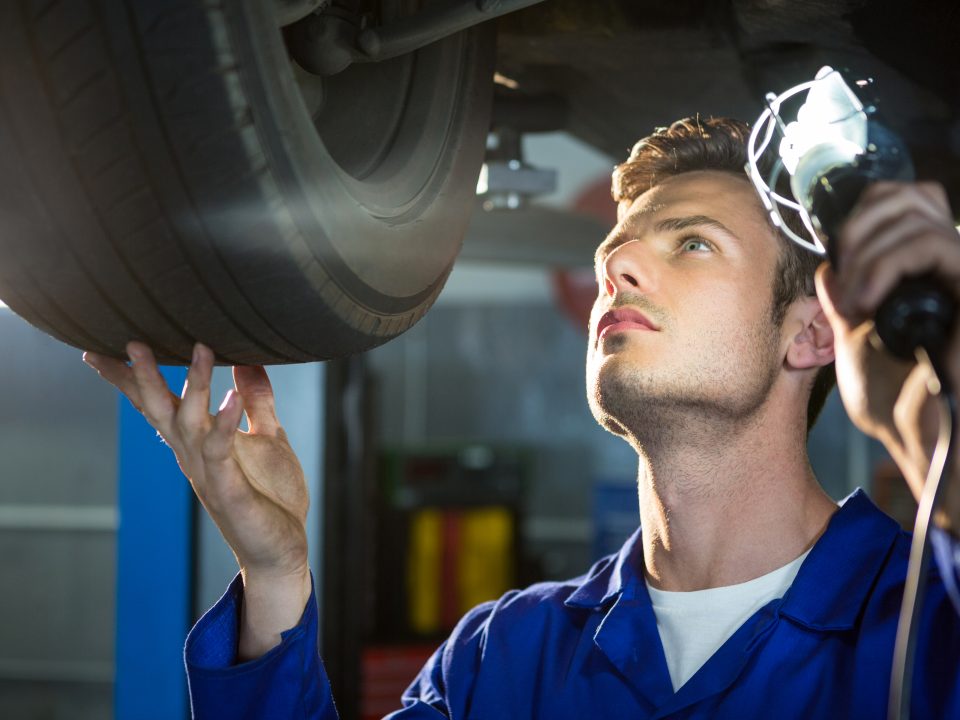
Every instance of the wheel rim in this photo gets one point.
(389, 237)
(387, 139)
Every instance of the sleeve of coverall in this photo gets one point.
(445, 686)
(287, 682)
(946, 553)
(936, 665)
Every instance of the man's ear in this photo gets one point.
(812, 346)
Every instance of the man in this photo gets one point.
(747, 592)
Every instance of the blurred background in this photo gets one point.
(447, 466)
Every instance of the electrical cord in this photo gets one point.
(901, 678)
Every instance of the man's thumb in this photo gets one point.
(828, 293)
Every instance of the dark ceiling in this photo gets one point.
(625, 67)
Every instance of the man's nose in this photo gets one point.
(627, 269)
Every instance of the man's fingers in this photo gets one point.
(159, 405)
(884, 203)
(928, 252)
(117, 373)
(882, 189)
(194, 414)
(902, 235)
(254, 386)
(224, 481)
(937, 194)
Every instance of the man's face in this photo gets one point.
(682, 321)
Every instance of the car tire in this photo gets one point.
(168, 174)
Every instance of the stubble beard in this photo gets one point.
(657, 408)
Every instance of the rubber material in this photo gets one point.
(161, 179)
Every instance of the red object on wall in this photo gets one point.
(576, 289)
(450, 610)
(387, 672)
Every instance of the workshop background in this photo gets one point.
(447, 466)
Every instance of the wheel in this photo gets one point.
(168, 174)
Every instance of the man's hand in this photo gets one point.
(897, 230)
(250, 483)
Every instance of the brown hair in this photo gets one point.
(720, 144)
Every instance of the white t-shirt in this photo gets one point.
(693, 625)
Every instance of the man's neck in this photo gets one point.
(716, 514)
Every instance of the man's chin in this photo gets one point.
(619, 371)
(613, 343)
(604, 419)
(611, 393)
(629, 402)
(608, 423)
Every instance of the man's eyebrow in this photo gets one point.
(666, 225)
(689, 221)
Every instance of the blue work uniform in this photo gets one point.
(589, 647)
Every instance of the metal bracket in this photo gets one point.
(506, 182)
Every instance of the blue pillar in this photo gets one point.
(154, 571)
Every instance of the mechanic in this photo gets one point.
(747, 592)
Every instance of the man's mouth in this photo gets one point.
(622, 319)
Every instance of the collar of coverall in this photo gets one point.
(827, 594)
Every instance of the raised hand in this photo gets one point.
(898, 230)
(250, 483)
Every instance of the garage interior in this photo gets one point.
(484, 397)
(446, 466)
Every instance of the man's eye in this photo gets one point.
(694, 244)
